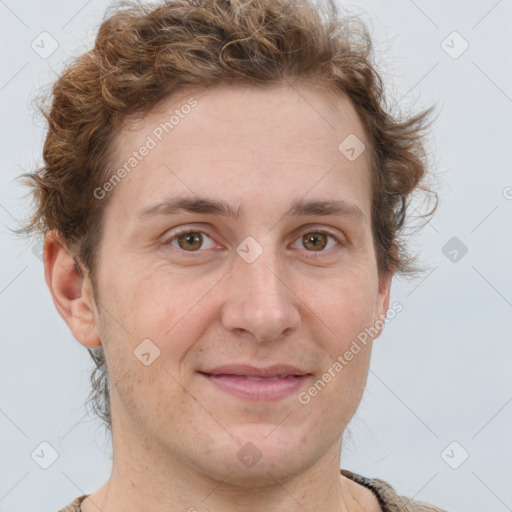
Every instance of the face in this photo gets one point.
(225, 293)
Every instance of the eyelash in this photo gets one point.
(188, 230)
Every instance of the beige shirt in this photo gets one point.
(387, 497)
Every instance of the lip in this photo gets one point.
(276, 370)
(258, 384)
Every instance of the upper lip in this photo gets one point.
(277, 370)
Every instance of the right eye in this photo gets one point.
(190, 240)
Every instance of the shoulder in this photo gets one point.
(388, 499)
(74, 506)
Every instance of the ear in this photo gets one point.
(383, 301)
(71, 291)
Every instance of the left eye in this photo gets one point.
(318, 241)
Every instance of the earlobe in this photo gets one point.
(71, 292)
(384, 291)
(383, 301)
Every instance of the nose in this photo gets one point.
(260, 303)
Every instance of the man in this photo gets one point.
(222, 200)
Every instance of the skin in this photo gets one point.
(175, 435)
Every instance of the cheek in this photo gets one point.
(345, 303)
(149, 300)
(144, 392)
(158, 305)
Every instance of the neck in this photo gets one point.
(148, 476)
(153, 483)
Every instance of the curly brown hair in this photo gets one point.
(145, 53)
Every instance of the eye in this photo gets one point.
(190, 240)
(319, 241)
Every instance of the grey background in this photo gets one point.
(441, 370)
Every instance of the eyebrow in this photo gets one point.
(300, 207)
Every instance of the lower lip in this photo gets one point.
(257, 390)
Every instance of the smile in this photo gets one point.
(257, 388)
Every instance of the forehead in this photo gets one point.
(246, 142)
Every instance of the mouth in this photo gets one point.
(257, 384)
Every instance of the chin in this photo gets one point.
(263, 455)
